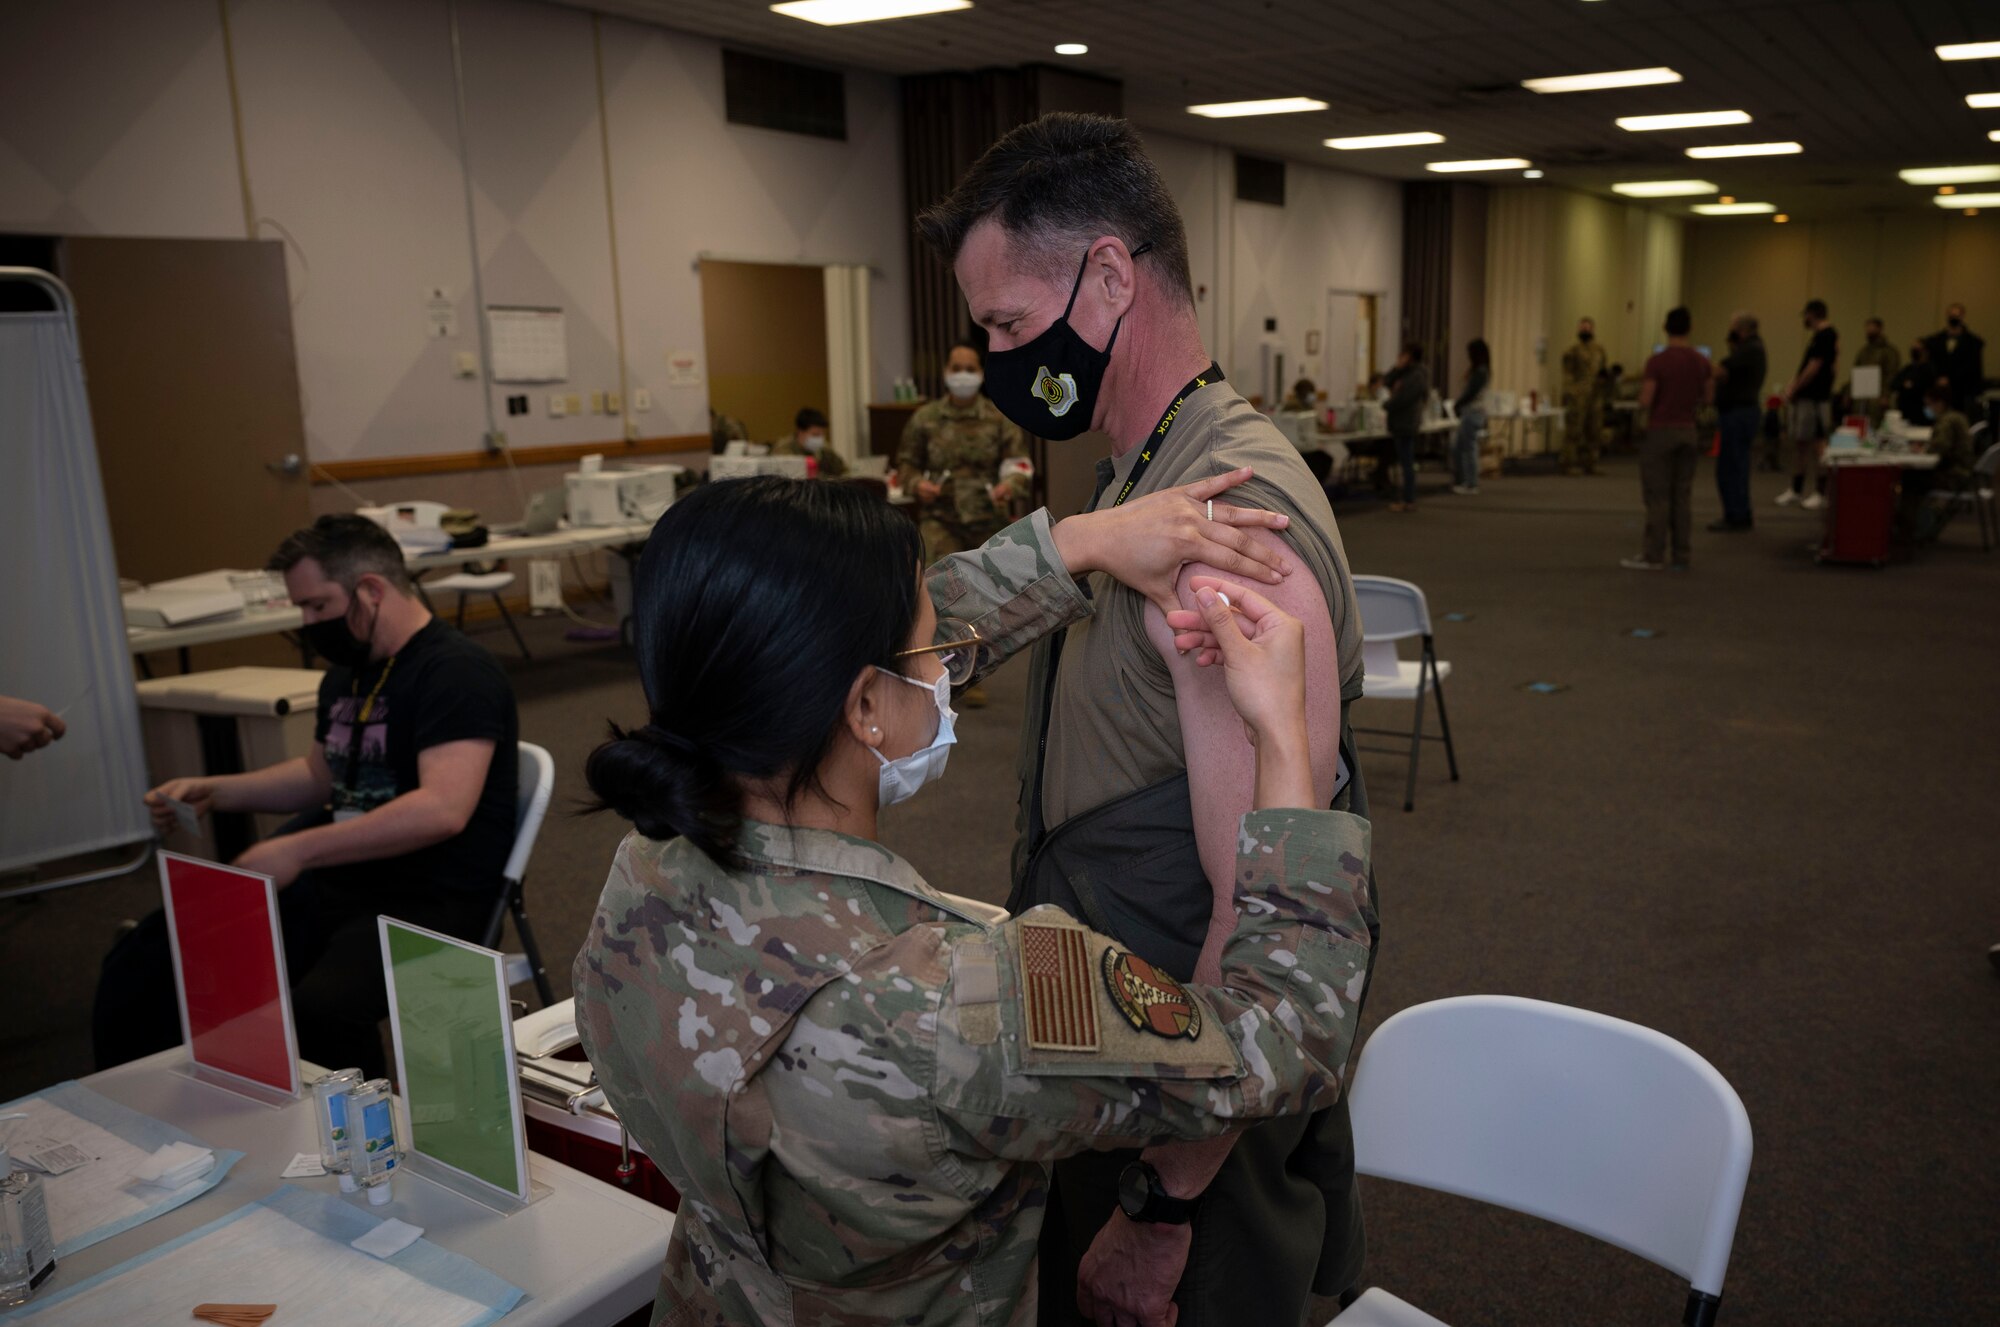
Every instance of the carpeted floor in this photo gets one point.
(1764, 830)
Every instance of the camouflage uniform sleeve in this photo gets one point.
(1014, 445)
(913, 453)
(1052, 1040)
(832, 465)
(1014, 589)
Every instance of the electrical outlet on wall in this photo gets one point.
(597, 403)
(572, 404)
(465, 364)
(556, 410)
(545, 585)
(613, 403)
(642, 400)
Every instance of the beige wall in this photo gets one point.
(1553, 256)
(1902, 267)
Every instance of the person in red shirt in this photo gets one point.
(1678, 382)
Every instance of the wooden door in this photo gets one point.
(764, 329)
(194, 394)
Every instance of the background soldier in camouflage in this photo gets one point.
(950, 458)
(809, 439)
(1878, 351)
(851, 1076)
(1583, 401)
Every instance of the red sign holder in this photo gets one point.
(229, 976)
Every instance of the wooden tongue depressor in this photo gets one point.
(235, 1315)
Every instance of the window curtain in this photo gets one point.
(64, 640)
(1427, 276)
(948, 121)
(849, 367)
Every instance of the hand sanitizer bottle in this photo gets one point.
(372, 1150)
(330, 1102)
(27, 1245)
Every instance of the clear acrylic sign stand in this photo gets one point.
(454, 1032)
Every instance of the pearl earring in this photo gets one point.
(876, 731)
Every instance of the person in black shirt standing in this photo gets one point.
(1810, 396)
(1959, 357)
(1739, 387)
(406, 802)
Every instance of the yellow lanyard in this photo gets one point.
(368, 705)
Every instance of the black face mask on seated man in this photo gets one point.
(334, 641)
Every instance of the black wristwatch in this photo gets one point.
(1142, 1197)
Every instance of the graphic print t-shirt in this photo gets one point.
(441, 688)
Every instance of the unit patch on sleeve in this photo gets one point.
(1150, 1000)
(1055, 988)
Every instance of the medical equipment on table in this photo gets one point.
(330, 1098)
(292, 1249)
(95, 1201)
(617, 497)
(373, 1152)
(27, 1244)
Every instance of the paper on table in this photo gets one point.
(304, 1166)
(290, 1249)
(51, 1157)
(389, 1239)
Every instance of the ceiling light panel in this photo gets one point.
(1970, 50)
(1744, 150)
(1967, 200)
(1640, 124)
(1983, 101)
(1226, 110)
(834, 13)
(1072, 48)
(1666, 188)
(1620, 78)
(1494, 163)
(1950, 174)
(1734, 209)
(1366, 141)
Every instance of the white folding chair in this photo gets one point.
(537, 783)
(1393, 610)
(1976, 492)
(1597, 1124)
(424, 514)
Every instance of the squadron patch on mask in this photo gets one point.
(1057, 390)
(1150, 1000)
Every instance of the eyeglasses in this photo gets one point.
(957, 648)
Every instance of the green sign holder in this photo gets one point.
(454, 1034)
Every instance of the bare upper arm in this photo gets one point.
(1220, 761)
(456, 773)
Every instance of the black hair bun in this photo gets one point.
(665, 785)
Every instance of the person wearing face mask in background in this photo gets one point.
(1959, 356)
(855, 1079)
(967, 464)
(1583, 366)
(809, 439)
(1912, 384)
(1917, 519)
(405, 804)
(1878, 351)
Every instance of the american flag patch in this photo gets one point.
(1056, 988)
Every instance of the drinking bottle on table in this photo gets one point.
(27, 1245)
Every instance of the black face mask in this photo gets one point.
(1585, 337)
(334, 641)
(1954, 323)
(1049, 386)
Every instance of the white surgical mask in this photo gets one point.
(815, 443)
(964, 383)
(900, 778)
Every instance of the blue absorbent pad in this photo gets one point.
(327, 1216)
(141, 1131)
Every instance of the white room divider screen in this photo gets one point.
(62, 641)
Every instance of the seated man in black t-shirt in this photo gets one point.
(406, 801)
